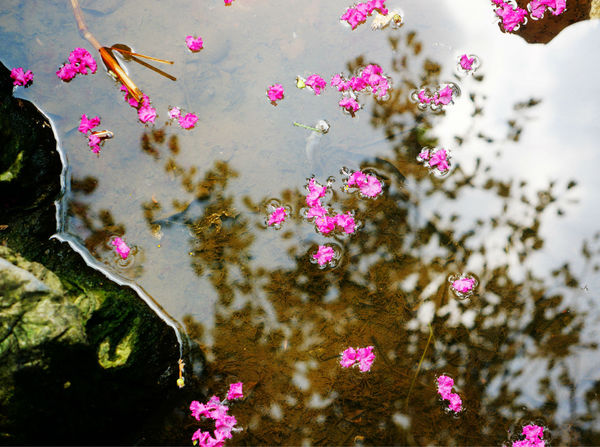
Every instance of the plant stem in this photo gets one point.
(420, 363)
(306, 127)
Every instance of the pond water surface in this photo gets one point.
(519, 210)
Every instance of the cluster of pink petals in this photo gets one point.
(533, 437)
(80, 60)
(87, 125)
(228, 2)
(441, 97)
(464, 284)
(324, 254)
(187, 121)
(146, 113)
(444, 389)
(316, 82)
(277, 216)
(121, 247)
(511, 16)
(361, 357)
(275, 92)
(466, 62)
(538, 7)
(367, 184)
(325, 223)
(216, 410)
(371, 78)
(21, 77)
(194, 43)
(349, 103)
(358, 13)
(435, 159)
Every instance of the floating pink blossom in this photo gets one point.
(94, 143)
(338, 81)
(147, 114)
(316, 82)
(121, 247)
(87, 125)
(350, 104)
(174, 112)
(324, 254)
(315, 192)
(194, 43)
(21, 77)
(538, 7)
(361, 357)
(423, 155)
(439, 160)
(444, 96)
(345, 222)
(466, 62)
(80, 60)
(325, 224)
(423, 97)
(533, 437)
(463, 285)
(228, 2)
(214, 409)
(130, 99)
(359, 13)
(188, 121)
(444, 386)
(275, 92)
(368, 184)
(235, 391)
(316, 211)
(511, 17)
(277, 216)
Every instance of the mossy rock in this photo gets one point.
(83, 360)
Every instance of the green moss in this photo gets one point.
(13, 171)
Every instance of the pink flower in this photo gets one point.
(338, 81)
(201, 436)
(325, 224)
(147, 114)
(277, 217)
(193, 43)
(445, 385)
(174, 113)
(357, 83)
(316, 211)
(371, 188)
(357, 178)
(20, 77)
(324, 254)
(121, 247)
(464, 285)
(348, 358)
(350, 104)
(354, 17)
(511, 18)
(466, 62)
(423, 155)
(365, 358)
(235, 391)
(81, 60)
(533, 437)
(66, 72)
(538, 7)
(315, 192)
(346, 222)
(94, 143)
(275, 92)
(439, 160)
(423, 97)
(130, 99)
(87, 125)
(361, 357)
(228, 2)
(316, 82)
(188, 121)
(379, 5)
(444, 96)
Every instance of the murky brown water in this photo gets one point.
(519, 210)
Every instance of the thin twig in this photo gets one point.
(120, 50)
(110, 61)
(307, 127)
(419, 366)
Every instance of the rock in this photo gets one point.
(83, 360)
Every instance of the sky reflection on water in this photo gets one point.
(522, 349)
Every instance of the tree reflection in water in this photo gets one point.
(389, 287)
